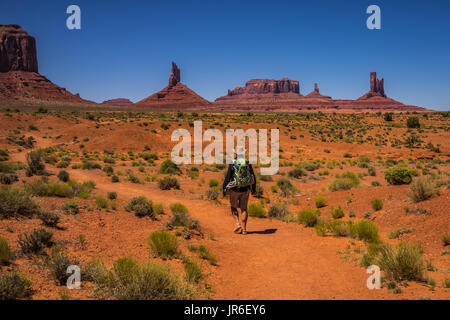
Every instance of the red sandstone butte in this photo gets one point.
(19, 77)
(175, 96)
(284, 95)
(118, 102)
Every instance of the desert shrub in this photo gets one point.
(112, 195)
(82, 190)
(163, 244)
(297, 173)
(63, 176)
(57, 263)
(377, 204)
(4, 155)
(62, 164)
(35, 241)
(402, 263)
(413, 122)
(192, 270)
(365, 230)
(168, 183)
(371, 171)
(320, 201)
(193, 172)
(337, 213)
(398, 175)
(129, 280)
(165, 126)
(346, 181)
(279, 211)
(90, 165)
(50, 219)
(115, 179)
(446, 240)
(158, 208)
(101, 202)
(9, 167)
(109, 170)
(70, 207)
(256, 210)
(422, 189)
(15, 201)
(59, 189)
(259, 191)
(35, 166)
(264, 177)
(213, 183)
(14, 286)
(8, 178)
(397, 233)
(308, 217)
(338, 228)
(141, 206)
(321, 228)
(181, 217)
(6, 253)
(169, 167)
(204, 253)
(388, 116)
(446, 283)
(286, 187)
(213, 193)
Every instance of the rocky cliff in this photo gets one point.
(19, 77)
(284, 95)
(17, 50)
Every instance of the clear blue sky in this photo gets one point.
(125, 47)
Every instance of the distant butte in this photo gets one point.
(284, 95)
(19, 77)
(118, 102)
(175, 96)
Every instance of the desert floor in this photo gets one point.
(276, 259)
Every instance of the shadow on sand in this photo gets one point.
(267, 231)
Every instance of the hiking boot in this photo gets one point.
(244, 232)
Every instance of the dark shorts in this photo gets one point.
(239, 199)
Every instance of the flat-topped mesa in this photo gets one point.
(174, 75)
(17, 49)
(263, 86)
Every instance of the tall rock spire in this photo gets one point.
(174, 75)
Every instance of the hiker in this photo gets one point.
(239, 181)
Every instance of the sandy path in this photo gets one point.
(293, 261)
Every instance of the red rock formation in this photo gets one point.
(17, 49)
(265, 95)
(175, 96)
(263, 86)
(19, 80)
(31, 86)
(174, 75)
(316, 94)
(118, 102)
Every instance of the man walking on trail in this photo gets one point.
(239, 181)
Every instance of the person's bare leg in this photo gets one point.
(244, 216)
